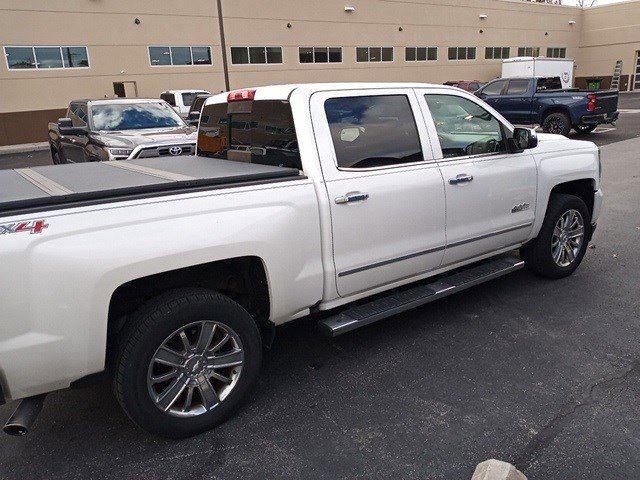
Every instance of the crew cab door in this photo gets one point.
(492, 91)
(515, 103)
(73, 146)
(490, 192)
(385, 192)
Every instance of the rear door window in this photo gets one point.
(373, 131)
(259, 132)
(169, 98)
(549, 83)
(518, 86)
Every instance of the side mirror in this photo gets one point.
(522, 139)
(65, 127)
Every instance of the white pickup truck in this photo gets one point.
(343, 203)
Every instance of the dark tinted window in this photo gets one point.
(48, 57)
(274, 54)
(494, 88)
(373, 131)
(181, 56)
(320, 55)
(518, 86)
(549, 83)
(188, 97)
(362, 54)
(169, 98)
(75, 57)
(261, 132)
(464, 127)
(201, 55)
(239, 55)
(134, 116)
(196, 106)
(160, 55)
(335, 54)
(306, 54)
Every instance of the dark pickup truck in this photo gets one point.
(542, 101)
(119, 129)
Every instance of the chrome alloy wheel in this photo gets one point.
(195, 368)
(567, 238)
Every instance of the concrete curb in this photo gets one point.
(497, 470)
(23, 148)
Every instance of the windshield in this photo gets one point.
(260, 132)
(134, 116)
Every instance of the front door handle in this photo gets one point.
(462, 178)
(352, 197)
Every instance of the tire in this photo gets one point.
(539, 254)
(558, 123)
(584, 129)
(151, 334)
(55, 157)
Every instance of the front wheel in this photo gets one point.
(187, 360)
(583, 129)
(562, 241)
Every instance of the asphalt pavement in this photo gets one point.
(542, 374)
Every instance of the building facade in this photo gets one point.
(59, 51)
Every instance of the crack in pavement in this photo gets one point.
(546, 435)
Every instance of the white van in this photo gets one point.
(539, 67)
(181, 100)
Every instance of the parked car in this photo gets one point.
(117, 129)
(181, 100)
(542, 101)
(193, 116)
(344, 203)
(467, 85)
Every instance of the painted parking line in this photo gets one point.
(629, 110)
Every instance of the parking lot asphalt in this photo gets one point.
(543, 374)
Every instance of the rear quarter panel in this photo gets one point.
(57, 285)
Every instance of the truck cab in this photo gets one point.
(181, 100)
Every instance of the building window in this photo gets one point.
(374, 54)
(494, 53)
(246, 55)
(179, 55)
(528, 51)
(462, 53)
(320, 54)
(46, 57)
(557, 52)
(420, 54)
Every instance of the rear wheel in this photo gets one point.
(558, 123)
(562, 241)
(584, 128)
(56, 158)
(188, 360)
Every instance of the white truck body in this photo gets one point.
(318, 254)
(539, 67)
(181, 100)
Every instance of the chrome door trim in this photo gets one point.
(432, 250)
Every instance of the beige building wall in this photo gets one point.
(118, 47)
(609, 33)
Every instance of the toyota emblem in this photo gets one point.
(175, 150)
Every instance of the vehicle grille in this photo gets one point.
(165, 151)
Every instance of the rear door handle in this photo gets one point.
(462, 178)
(352, 197)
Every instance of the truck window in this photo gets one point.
(133, 116)
(188, 97)
(464, 127)
(494, 88)
(169, 98)
(373, 131)
(260, 132)
(518, 86)
(78, 114)
(549, 83)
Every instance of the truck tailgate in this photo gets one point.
(41, 188)
(606, 101)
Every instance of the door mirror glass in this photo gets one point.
(524, 138)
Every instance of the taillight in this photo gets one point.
(591, 104)
(239, 95)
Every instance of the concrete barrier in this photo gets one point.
(497, 470)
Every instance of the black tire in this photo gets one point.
(538, 253)
(150, 326)
(584, 129)
(558, 123)
(55, 157)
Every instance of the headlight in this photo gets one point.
(118, 153)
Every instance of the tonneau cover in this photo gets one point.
(39, 188)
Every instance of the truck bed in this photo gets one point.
(49, 187)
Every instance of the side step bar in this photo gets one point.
(397, 302)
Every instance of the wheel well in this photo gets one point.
(555, 109)
(580, 188)
(242, 279)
